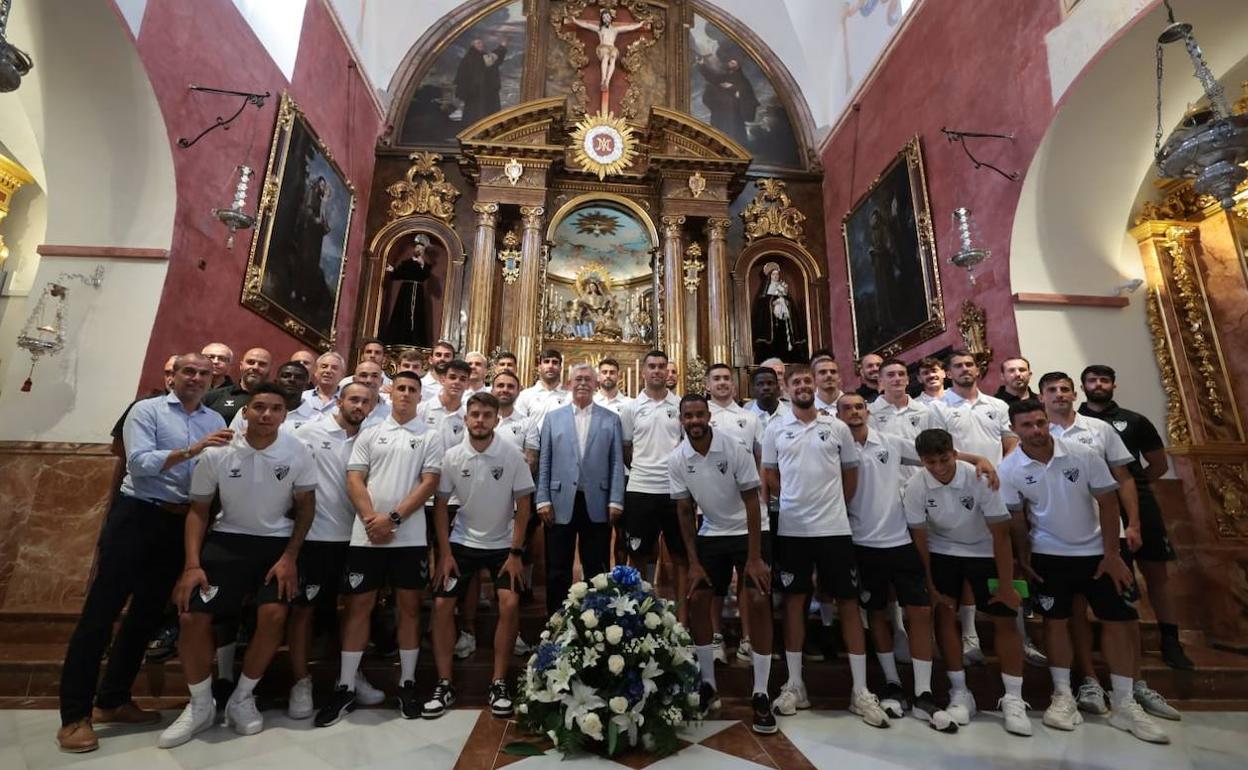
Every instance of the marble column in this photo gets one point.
(481, 292)
(674, 291)
(528, 298)
(719, 291)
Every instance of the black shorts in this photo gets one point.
(1157, 546)
(646, 516)
(898, 568)
(721, 554)
(368, 569)
(471, 561)
(431, 533)
(320, 572)
(832, 557)
(1064, 577)
(236, 566)
(949, 573)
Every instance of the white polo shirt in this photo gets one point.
(738, 423)
(430, 387)
(1097, 435)
(295, 418)
(345, 381)
(715, 483)
(487, 485)
(381, 412)
(615, 403)
(331, 449)
(810, 456)
(764, 417)
(827, 407)
(513, 429)
(653, 429)
(394, 456)
(1059, 496)
(535, 401)
(876, 515)
(449, 424)
(977, 426)
(907, 421)
(256, 487)
(956, 515)
(927, 398)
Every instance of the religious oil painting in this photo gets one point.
(295, 269)
(894, 284)
(600, 278)
(473, 77)
(730, 90)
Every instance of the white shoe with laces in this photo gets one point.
(300, 704)
(1032, 655)
(243, 716)
(1014, 709)
(791, 698)
(1130, 716)
(1091, 697)
(745, 650)
(465, 645)
(1062, 713)
(365, 693)
(865, 704)
(717, 647)
(191, 721)
(962, 706)
(1154, 702)
(972, 653)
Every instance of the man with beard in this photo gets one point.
(326, 374)
(370, 374)
(1016, 380)
(932, 378)
(811, 461)
(729, 96)
(253, 370)
(505, 361)
(372, 351)
(292, 378)
(477, 81)
(546, 394)
(869, 372)
(324, 553)
(514, 428)
(608, 393)
(439, 359)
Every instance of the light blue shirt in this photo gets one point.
(154, 428)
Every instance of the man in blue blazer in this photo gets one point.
(580, 487)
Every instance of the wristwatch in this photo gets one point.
(516, 552)
(395, 518)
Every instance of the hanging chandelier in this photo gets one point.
(44, 331)
(1210, 145)
(14, 62)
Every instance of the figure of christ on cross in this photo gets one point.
(607, 32)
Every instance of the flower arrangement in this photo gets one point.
(612, 670)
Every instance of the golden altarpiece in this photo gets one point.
(551, 210)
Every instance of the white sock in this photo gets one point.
(899, 619)
(762, 671)
(794, 661)
(922, 676)
(201, 692)
(225, 661)
(966, 615)
(858, 668)
(1018, 623)
(350, 668)
(957, 681)
(827, 613)
(706, 662)
(244, 689)
(1061, 680)
(1123, 687)
(407, 665)
(888, 662)
(1013, 685)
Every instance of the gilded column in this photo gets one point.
(674, 291)
(528, 297)
(481, 293)
(718, 291)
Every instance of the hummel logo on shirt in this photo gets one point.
(1029, 479)
(690, 470)
(236, 473)
(465, 473)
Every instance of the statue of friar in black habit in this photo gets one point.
(477, 81)
(779, 330)
(407, 316)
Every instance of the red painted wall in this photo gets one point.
(981, 70)
(209, 43)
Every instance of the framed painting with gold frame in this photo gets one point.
(890, 254)
(298, 253)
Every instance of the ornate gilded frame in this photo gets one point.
(289, 119)
(912, 155)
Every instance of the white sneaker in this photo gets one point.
(901, 645)
(865, 704)
(962, 706)
(1130, 716)
(1014, 709)
(717, 648)
(242, 715)
(300, 704)
(972, 653)
(1091, 697)
(791, 698)
(365, 693)
(465, 645)
(745, 650)
(1063, 713)
(1153, 702)
(1032, 654)
(190, 722)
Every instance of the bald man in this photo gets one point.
(252, 370)
(305, 357)
(221, 358)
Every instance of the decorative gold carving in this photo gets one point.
(12, 177)
(578, 96)
(693, 266)
(510, 257)
(697, 184)
(1228, 492)
(695, 375)
(717, 227)
(1190, 304)
(631, 61)
(671, 226)
(253, 282)
(1183, 203)
(1176, 417)
(532, 217)
(487, 214)
(513, 171)
(973, 326)
(772, 213)
(294, 327)
(424, 190)
(604, 145)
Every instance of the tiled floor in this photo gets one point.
(375, 738)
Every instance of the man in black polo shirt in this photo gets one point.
(1143, 442)
(253, 370)
(221, 358)
(869, 372)
(1015, 380)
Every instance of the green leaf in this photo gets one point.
(522, 749)
(613, 738)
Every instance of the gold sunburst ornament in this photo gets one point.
(604, 144)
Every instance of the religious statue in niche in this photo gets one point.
(407, 307)
(779, 330)
(607, 31)
(477, 80)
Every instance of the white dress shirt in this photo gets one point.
(580, 416)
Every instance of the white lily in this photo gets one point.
(649, 673)
(623, 605)
(578, 704)
(559, 676)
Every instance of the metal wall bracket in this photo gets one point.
(224, 123)
(961, 136)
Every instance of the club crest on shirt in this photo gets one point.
(740, 422)
(208, 594)
(967, 501)
(823, 435)
(671, 414)
(1046, 602)
(1119, 425)
(1071, 474)
(236, 473)
(634, 543)
(786, 579)
(456, 427)
(882, 455)
(281, 471)
(723, 466)
(865, 596)
(914, 421)
(411, 442)
(354, 579)
(497, 472)
(1086, 440)
(517, 429)
(311, 590)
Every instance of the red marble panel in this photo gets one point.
(1226, 287)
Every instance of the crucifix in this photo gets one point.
(608, 54)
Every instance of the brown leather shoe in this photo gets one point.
(125, 714)
(77, 737)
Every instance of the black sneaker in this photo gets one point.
(893, 700)
(442, 698)
(164, 646)
(222, 689)
(1173, 655)
(764, 720)
(708, 699)
(341, 703)
(409, 705)
(500, 700)
(926, 708)
(812, 650)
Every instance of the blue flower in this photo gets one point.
(626, 576)
(547, 652)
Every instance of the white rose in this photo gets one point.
(600, 581)
(591, 725)
(618, 704)
(523, 708)
(578, 590)
(669, 619)
(694, 699)
(614, 634)
(589, 619)
(556, 620)
(598, 636)
(615, 664)
(653, 621)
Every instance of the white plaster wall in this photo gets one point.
(1073, 43)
